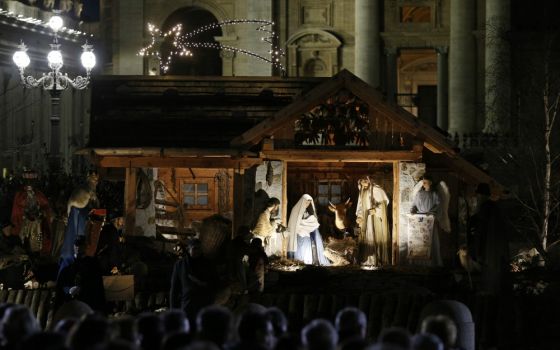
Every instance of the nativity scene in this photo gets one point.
(324, 172)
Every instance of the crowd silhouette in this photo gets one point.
(216, 327)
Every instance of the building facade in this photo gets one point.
(448, 62)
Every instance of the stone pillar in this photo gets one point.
(462, 67)
(130, 37)
(251, 39)
(497, 67)
(228, 68)
(368, 41)
(442, 88)
(391, 59)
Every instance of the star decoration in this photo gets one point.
(184, 44)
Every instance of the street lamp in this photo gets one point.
(55, 81)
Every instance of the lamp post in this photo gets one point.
(55, 81)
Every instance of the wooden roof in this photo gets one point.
(175, 115)
(433, 140)
(191, 112)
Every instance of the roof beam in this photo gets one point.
(176, 162)
(335, 156)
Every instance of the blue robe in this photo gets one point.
(310, 249)
(76, 226)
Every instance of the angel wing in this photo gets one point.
(416, 189)
(442, 214)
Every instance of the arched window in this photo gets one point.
(204, 61)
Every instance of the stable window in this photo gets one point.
(329, 190)
(195, 195)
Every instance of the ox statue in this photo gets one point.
(339, 210)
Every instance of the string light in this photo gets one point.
(38, 22)
(182, 44)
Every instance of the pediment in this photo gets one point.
(314, 38)
(343, 121)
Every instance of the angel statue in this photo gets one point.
(429, 214)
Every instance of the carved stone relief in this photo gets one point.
(313, 53)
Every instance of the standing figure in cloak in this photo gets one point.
(111, 250)
(80, 204)
(266, 228)
(371, 217)
(428, 201)
(491, 246)
(305, 243)
(31, 216)
(81, 280)
(193, 282)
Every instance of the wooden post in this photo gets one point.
(284, 205)
(396, 213)
(285, 193)
(238, 199)
(130, 201)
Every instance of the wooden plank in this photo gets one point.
(238, 200)
(168, 152)
(176, 162)
(396, 217)
(341, 156)
(130, 201)
(293, 111)
(285, 193)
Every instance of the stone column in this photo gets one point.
(462, 67)
(442, 88)
(497, 67)
(228, 68)
(251, 39)
(130, 36)
(391, 59)
(367, 50)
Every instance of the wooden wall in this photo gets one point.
(220, 197)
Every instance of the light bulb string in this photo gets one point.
(181, 42)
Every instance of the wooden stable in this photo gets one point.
(193, 128)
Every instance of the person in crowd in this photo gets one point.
(64, 326)
(214, 324)
(443, 327)
(258, 265)
(395, 336)
(18, 324)
(176, 341)
(351, 326)
(255, 332)
(126, 328)
(175, 321)
(319, 334)
(267, 226)
(81, 280)
(151, 330)
(94, 330)
(305, 243)
(426, 341)
(350, 322)
(44, 341)
(193, 281)
(279, 321)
